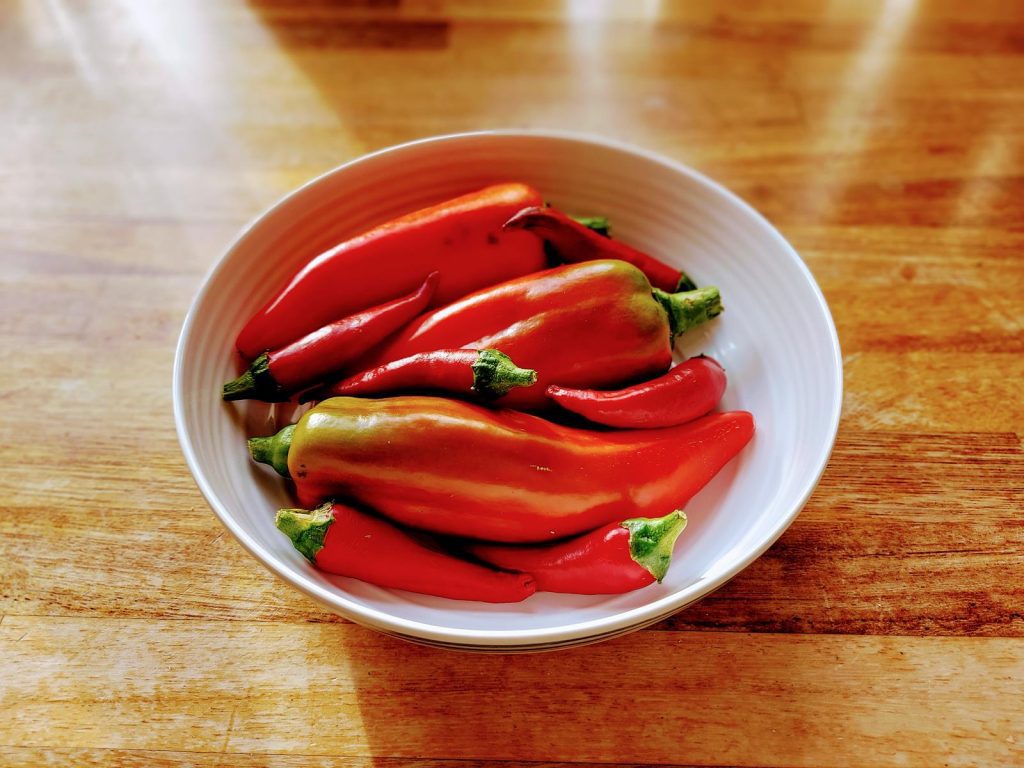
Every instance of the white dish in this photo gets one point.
(776, 340)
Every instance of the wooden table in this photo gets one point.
(884, 139)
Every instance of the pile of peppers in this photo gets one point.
(495, 410)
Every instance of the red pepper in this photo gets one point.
(619, 557)
(461, 238)
(597, 324)
(458, 468)
(574, 242)
(485, 373)
(344, 541)
(274, 376)
(689, 390)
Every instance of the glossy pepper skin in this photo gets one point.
(596, 324)
(459, 468)
(342, 540)
(689, 390)
(485, 373)
(615, 558)
(575, 242)
(460, 238)
(276, 375)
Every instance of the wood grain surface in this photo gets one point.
(884, 139)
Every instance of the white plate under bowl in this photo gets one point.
(776, 340)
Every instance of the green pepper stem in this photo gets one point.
(494, 374)
(651, 541)
(599, 224)
(689, 309)
(256, 383)
(242, 388)
(273, 450)
(306, 529)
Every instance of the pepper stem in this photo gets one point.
(257, 383)
(651, 540)
(494, 374)
(689, 309)
(599, 224)
(306, 529)
(273, 450)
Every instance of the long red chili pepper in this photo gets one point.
(618, 557)
(689, 390)
(461, 238)
(596, 324)
(458, 468)
(575, 242)
(275, 375)
(342, 540)
(485, 373)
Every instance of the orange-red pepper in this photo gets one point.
(461, 238)
(458, 468)
(595, 324)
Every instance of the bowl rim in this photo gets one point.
(490, 638)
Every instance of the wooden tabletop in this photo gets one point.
(884, 139)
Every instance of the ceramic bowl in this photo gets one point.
(776, 340)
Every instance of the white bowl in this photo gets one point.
(776, 340)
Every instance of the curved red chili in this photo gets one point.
(485, 373)
(274, 376)
(686, 392)
(574, 242)
(344, 541)
(460, 238)
(619, 557)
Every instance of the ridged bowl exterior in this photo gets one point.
(776, 340)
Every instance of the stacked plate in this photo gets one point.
(775, 339)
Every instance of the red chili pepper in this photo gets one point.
(458, 468)
(619, 557)
(344, 541)
(574, 242)
(461, 238)
(597, 324)
(689, 390)
(274, 376)
(485, 373)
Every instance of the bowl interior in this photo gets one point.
(775, 339)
